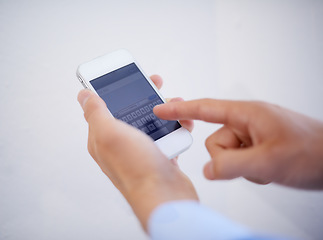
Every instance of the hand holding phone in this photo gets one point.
(131, 160)
(130, 96)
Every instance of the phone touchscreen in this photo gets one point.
(130, 98)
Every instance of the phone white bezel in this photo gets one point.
(173, 143)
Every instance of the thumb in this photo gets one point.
(233, 163)
(93, 106)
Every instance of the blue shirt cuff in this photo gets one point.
(191, 220)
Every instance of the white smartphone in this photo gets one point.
(131, 96)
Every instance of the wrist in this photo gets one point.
(146, 194)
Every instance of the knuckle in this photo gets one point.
(208, 142)
(264, 106)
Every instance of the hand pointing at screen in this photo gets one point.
(259, 141)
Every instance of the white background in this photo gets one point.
(50, 188)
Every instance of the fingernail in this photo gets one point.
(177, 99)
(83, 96)
(158, 106)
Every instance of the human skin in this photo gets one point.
(131, 160)
(259, 141)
